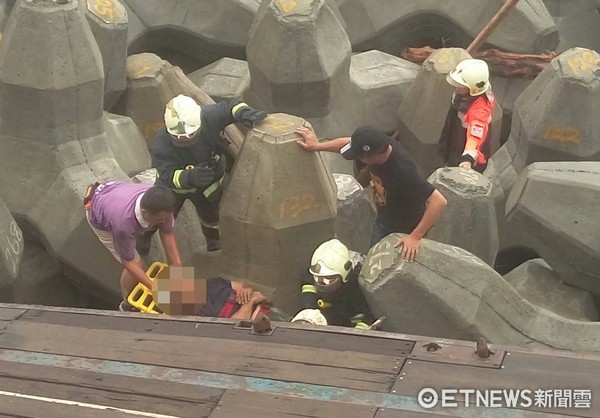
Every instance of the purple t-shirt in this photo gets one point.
(114, 209)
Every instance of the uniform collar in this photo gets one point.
(138, 213)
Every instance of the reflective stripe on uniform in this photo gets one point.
(213, 187)
(176, 178)
(361, 325)
(309, 288)
(237, 107)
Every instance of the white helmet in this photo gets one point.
(331, 258)
(182, 119)
(311, 316)
(471, 73)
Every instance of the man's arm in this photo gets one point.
(311, 143)
(170, 244)
(411, 243)
(134, 268)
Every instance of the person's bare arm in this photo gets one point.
(247, 309)
(411, 243)
(137, 272)
(311, 143)
(170, 244)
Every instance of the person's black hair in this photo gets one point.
(158, 198)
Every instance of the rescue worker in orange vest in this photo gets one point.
(464, 141)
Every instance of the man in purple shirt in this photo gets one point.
(119, 212)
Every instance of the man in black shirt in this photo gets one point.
(406, 202)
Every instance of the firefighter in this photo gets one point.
(190, 153)
(332, 287)
(466, 133)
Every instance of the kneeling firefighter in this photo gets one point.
(332, 288)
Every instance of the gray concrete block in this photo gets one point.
(207, 30)
(108, 22)
(555, 118)
(380, 83)
(391, 25)
(150, 85)
(66, 149)
(299, 58)
(450, 293)
(279, 206)
(506, 91)
(355, 214)
(469, 221)
(40, 281)
(126, 143)
(536, 282)
(11, 247)
(225, 79)
(554, 206)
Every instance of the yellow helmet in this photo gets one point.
(311, 316)
(182, 119)
(471, 73)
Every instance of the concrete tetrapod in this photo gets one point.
(380, 83)
(279, 206)
(469, 222)
(450, 293)
(355, 214)
(108, 21)
(298, 57)
(423, 112)
(553, 209)
(554, 119)
(205, 30)
(225, 79)
(578, 23)
(536, 282)
(52, 135)
(392, 25)
(11, 247)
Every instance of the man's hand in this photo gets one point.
(465, 164)
(309, 139)
(410, 247)
(244, 295)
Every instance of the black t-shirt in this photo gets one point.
(399, 191)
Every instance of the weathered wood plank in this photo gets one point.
(111, 390)
(278, 361)
(235, 403)
(8, 314)
(394, 413)
(520, 371)
(27, 408)
(297, 337)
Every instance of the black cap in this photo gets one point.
(365, 140)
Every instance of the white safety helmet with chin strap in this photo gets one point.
(331, 258)
(311, 316)
(471, 73)
(182, 120)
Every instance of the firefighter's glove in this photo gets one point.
(201, 177)
(249, 116)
